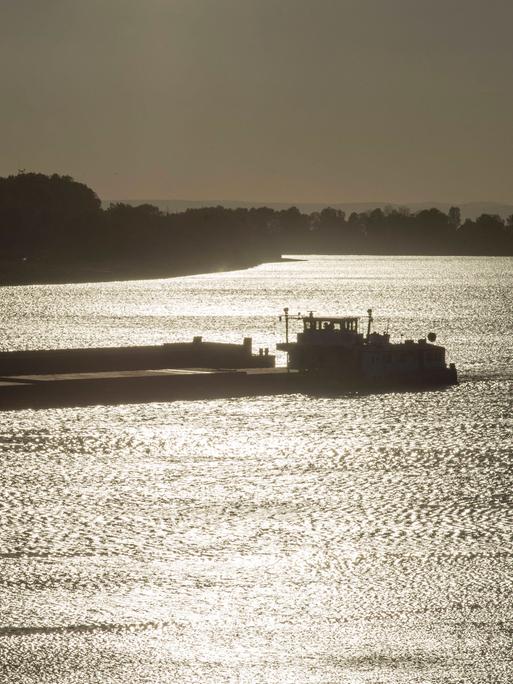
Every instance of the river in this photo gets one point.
(357, 539)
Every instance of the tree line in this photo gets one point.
(53, 227)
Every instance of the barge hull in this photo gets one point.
(88, 389)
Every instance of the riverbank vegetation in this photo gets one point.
(53, 229)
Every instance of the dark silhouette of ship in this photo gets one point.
(330, 355)
(335, 349)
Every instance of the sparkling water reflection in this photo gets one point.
(278, 539)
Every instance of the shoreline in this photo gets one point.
(111, 276)
(83, 275)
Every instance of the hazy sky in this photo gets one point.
(277, 100)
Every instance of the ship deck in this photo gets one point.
(140, 386)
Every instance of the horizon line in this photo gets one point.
(306, 202)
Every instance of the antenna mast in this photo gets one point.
(286, 312)
(369, 323)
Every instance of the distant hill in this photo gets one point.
(469, 210)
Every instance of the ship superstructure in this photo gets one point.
(337, 348)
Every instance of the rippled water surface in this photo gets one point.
(278, 539)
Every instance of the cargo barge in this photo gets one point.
(331, 355)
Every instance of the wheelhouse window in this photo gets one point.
(338, 325)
